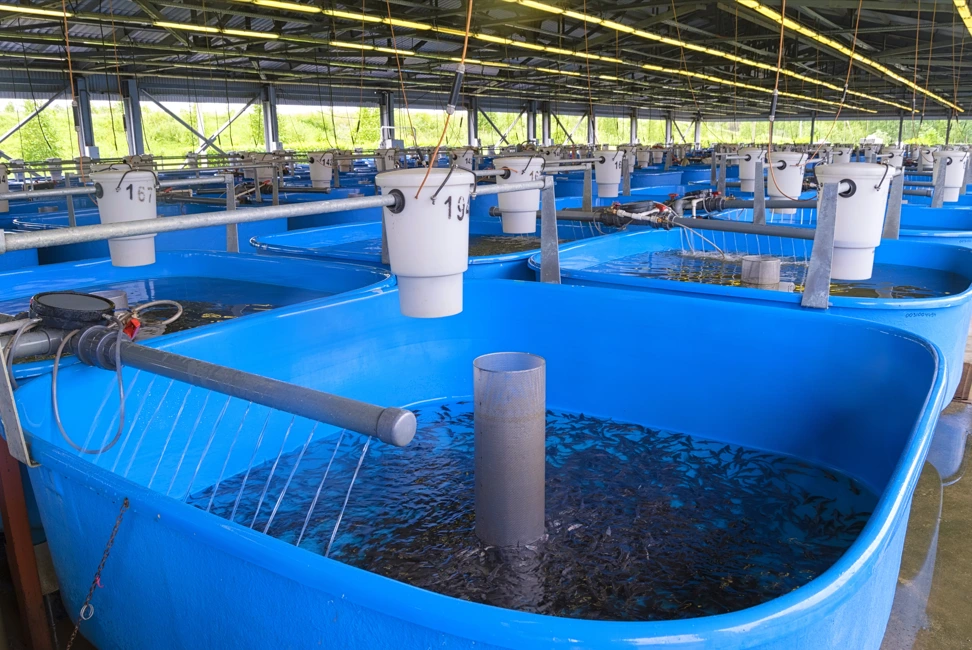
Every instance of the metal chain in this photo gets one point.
(87, 609)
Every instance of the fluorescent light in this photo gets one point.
(34, 11)
(248, 34)
(188, 27)
(288, 6)
(851, 54)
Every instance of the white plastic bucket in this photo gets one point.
(657, 156)
(386, 160)
(784, 176)
(17, 169)
(607, 173)
(4, 187)
(955, 161)
(860, 216)
(550, 154)
(843, 154)
(428, 243)
(261, 170)
(747, 167)
(464, 157)
(926, 159)
(321, 169)
(894, 157)
(127, 196)
(56, 169)
(345, 164)
(631, 155)
(192, 160)
(519, 209)
(643, 156)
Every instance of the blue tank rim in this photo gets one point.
(489, 624)
(746, 293)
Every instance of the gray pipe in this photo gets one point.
(509, 394)
(746, 228)
(392, 425)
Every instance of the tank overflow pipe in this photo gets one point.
(95, 346)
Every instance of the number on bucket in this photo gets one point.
(143, 193)
(460, 207)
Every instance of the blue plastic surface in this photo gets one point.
(944, 320)
(864, 400)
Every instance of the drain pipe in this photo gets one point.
(509, 394)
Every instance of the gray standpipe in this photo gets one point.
(509, 390)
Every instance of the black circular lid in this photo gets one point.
(70, 310)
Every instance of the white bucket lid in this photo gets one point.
(836, 172)
(413, 177)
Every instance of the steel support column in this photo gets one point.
(633, 127)
(531, 121)
(82, 118)
(948, 129)
(133, 118)
(546, 136)
(813, 125)
(472, 122)
(591, 127)
(386, 117)
(900, 129)
(271, 134)
(668, 130)
(698, 131)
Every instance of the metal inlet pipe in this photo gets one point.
(392, 425)
(15, 241)
(745, 228)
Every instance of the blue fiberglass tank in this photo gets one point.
(331, 218)
(862, 408)
(926, 289)
(213, 287)
(210, 238)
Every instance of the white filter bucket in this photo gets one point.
(192, 161)
(464, 157)
(127, 196)
(843, 154)
(550, 154)
(894, 157)
(519, 209)
(747, 167)
(657, 156)
(954, 161)
(321, 169)
(56, 169)
(385, 160)
(428, 243)
(607, 173)
(926, 159)
(17, 169)
(346, 164)
(4, 187)
(860, 216)
(785, 183)
(643, 156)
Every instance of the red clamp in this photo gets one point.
(131, 329)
